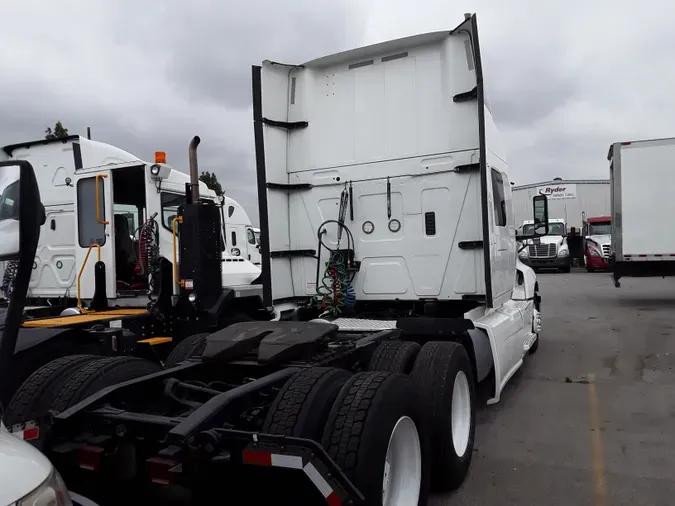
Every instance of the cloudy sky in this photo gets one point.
(563, 83)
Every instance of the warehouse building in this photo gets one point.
(567, 199)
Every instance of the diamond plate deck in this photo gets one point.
(358, 325)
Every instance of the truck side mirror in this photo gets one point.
(21, 215)
(540, 206)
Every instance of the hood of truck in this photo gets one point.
(238, 271)
(552, 239)
(22, 467)
(601, 239)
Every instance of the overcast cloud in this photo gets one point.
(563, 83)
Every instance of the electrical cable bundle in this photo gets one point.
(335, 291)
(149, 261)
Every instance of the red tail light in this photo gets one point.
(89, 457)
(163, 471)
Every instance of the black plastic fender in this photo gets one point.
(482, 351)
(29, 338)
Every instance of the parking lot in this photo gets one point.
(590, 418)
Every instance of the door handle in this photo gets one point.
(98, 202)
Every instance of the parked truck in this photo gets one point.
(548, 252)
(389, 255)
(641, 182)
(597, 234)
(134, 198)
(110, 249)
(240, 235)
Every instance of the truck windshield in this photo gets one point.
(553, 229)
(599, 228)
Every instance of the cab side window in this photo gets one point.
(90, 230)
(498, 198)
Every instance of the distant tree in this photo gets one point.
(59, 132)
(211, 180)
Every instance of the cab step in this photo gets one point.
(530, 339)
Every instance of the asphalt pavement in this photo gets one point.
(590, 418)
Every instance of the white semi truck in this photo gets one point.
(548, 252)
(642, 182)
(110, 240)
(131, 192)
(240, 236)
(389, 252)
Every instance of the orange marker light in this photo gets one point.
(160, 157)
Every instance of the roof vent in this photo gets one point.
(557, 179)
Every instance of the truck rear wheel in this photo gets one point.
(34, 397)
(377, 434)
(191, 346)
(99, 374)
(301, 408)
(445, 376)
(394, 356)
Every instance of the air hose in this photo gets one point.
(335, 292)
(149, 261)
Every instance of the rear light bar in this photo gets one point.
(645, 255)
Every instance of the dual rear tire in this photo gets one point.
(394, 435)
(64, 382)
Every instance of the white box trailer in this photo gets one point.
(642, 182)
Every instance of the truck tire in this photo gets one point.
(191, 346)
(567, 268)
(377, 434)
(301, 408)
(34, 397)
(99, 374)
(445, 376)
(537, 306)
(394, 356)
(30, 360)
